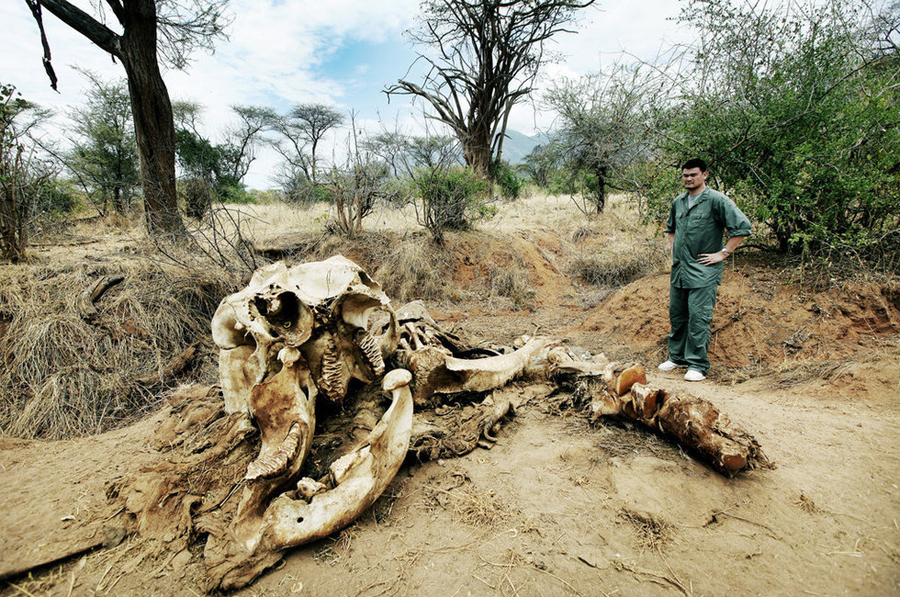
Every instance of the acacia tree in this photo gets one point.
(104, 157)
(541, 164)
(488, 55)
(404, 154)
(602, 129)
(182, 25)
(244, 138)
(304, 126)
(216, 171)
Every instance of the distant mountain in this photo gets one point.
(517, 145)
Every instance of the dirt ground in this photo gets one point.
(558, 506)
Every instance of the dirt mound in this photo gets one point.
(759, 319)
(526, 266)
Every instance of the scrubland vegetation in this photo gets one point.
(795, 107)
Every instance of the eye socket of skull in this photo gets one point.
(289, 317)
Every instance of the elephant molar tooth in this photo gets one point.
(278, 461)
(332, 373)
(372, 352)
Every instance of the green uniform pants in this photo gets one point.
(690, 313)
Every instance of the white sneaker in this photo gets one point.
(693, 375)
(668, 366)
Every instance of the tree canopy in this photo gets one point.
(486, 55)
(183, 25)
(104, 153)
(797, 109)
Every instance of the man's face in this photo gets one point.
(693, 179)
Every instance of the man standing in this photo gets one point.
(697, 224)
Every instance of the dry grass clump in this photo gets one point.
(480, 509)
(473, 506)
(652, 531)
(413, 268)
(61, 376)
(617, 266)
(806, 504)
(615, 247)
(513, 282)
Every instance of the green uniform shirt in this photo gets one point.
(700, 229)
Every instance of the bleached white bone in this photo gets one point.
(481, 375)
(363, 476)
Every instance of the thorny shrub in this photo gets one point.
(449, 199)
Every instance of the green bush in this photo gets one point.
(509, 183)
(798, 120)
(657, 185)
(449, 199)
(299, 189)
(234, 193)
(56, 196)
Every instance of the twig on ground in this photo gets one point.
(21, 589)
(562, 580)
(377, 583)
(712, 519)
(653, 577)
(486, 583)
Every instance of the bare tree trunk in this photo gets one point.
(153, 125)
(600, 202)
(8, 242)
(477, 150)
(12, 245)
(150, 105)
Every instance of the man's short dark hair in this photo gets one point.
(695, 163)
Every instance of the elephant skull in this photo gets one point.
(290, 335)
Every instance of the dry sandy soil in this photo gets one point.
(558, 506)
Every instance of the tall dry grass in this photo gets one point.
(61, 376)
(601, 252)
(616, 248)
(537, 210)
(414, 268)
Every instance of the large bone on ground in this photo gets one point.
(438, 373)
(696, 423)
(361, 477)
(602, 383)
(616, 390)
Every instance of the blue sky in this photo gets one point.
(338, 52)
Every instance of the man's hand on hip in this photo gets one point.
(711, 258)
